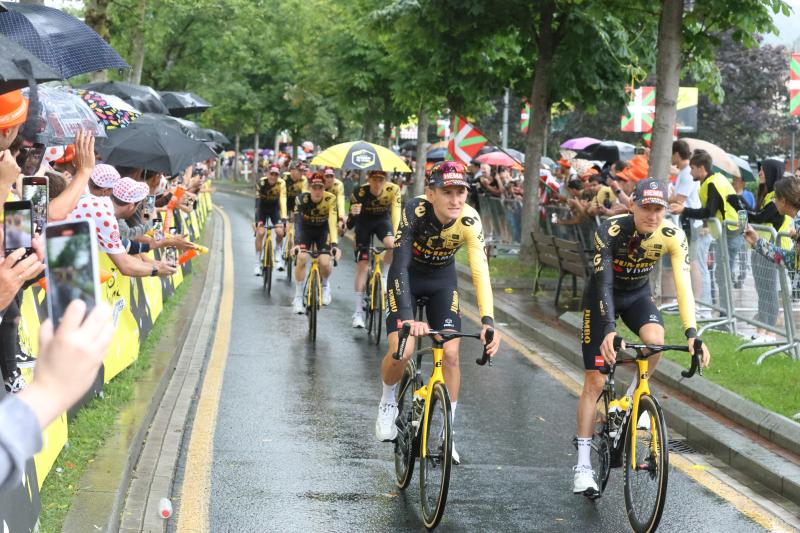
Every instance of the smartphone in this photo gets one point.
(73, 271)
(149, 210)
(33, 159)
(171, 256)
(18, 226)
(35, 189)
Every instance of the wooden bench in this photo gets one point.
(573, 262)
(544, 250)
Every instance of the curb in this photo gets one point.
(773, 471)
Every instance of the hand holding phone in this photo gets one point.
(9, 170)
(18, 226)
(35, 189)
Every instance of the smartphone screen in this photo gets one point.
(34, 189)
(18, 226)
(72, 267)
(33, 160)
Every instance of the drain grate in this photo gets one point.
(680, 446)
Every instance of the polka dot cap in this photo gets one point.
(130, 191)
(105, 176)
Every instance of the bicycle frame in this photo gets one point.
(267, 245)
(289, 237)
(376, 271)
(437, 376)
(313, 271)
(642, 388)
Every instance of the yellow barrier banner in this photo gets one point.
(116, 292)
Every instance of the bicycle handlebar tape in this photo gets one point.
(483, 359)
(617, 343)
(695, 366)
(401, 346)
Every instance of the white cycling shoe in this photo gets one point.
(583, 482)
(456, 457)
(358, 320)
(326, 295)
(257, 269)
(279, 263)
(297, 305)
(385, 428)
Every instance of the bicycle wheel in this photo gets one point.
(368, 305)
(266, 268)
(377, 309)
(646, 481)
(434, 468)
(405, 446)
(311, 310)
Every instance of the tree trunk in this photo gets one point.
(255, 155)
(236, 168)
(668, 77)
(537, 130)
(422, 137)
(96, 17)
(137, 42)
(295, 145)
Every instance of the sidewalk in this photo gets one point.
(763, 445)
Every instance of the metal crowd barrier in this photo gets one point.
(498, 233)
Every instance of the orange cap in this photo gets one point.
(13, 109)
(69, 154)
(564, 163)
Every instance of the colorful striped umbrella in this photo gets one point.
(111, 111)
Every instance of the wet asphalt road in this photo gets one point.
(295, 449)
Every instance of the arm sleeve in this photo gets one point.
(768, 215)
(713, 204)
(399, 286)
(351, 219)
(604, 277)
(333, 223)
(20, 438)
(679, 253)
(479, 267)
(340, 212)
(282, 199)
(396, 208)
(776, 253)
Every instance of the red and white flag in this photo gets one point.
(466, 141)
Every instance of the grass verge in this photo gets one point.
(94, 423)
(505, 268)
(775, 384)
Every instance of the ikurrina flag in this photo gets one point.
(794, 85)
(443, 127)
(466, 141)
(640, 112)
(525, 118)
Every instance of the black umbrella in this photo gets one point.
(14, 74)
(214, 136)
(66, 44)
(142, 97)
(182, 104)
(608, 151)
(189, 128)
(153, 142)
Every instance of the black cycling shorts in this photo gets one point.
(441, 289)
(636, 308)
(312, 236)
(366, 227)
(269, 212)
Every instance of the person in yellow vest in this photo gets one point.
(764, 270)
(716, 194)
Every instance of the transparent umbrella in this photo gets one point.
(61, 116)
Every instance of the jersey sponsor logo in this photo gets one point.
(392, 301)
(420, 210)
(448, 323)
(587, 326)
(467, 221)
(598, 259)
(362, 158)
(653, 318)
(599, 361)
(668, 232)
(454, 303)
(614, 229)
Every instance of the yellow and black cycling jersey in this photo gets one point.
(268, 195)
(309, 214)
(624, 259)
(387, 202)
(423, 244)
(294, 188)
(337, 189)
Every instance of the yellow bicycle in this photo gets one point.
(375, 301)
(312, 292)
(423, 423)
(645, 445)
(288, 244)
(267, 260)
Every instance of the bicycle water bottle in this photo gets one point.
(164, 508)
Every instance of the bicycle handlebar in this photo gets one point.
(446, 336)
(652, 349)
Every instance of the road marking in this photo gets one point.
(196, 488)
(702, 476)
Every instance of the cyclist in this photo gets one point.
(628, 248)
(335, 186)
(431, 230)
(315, 225)
(296, 183)
(374, 210)
(270, 206)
